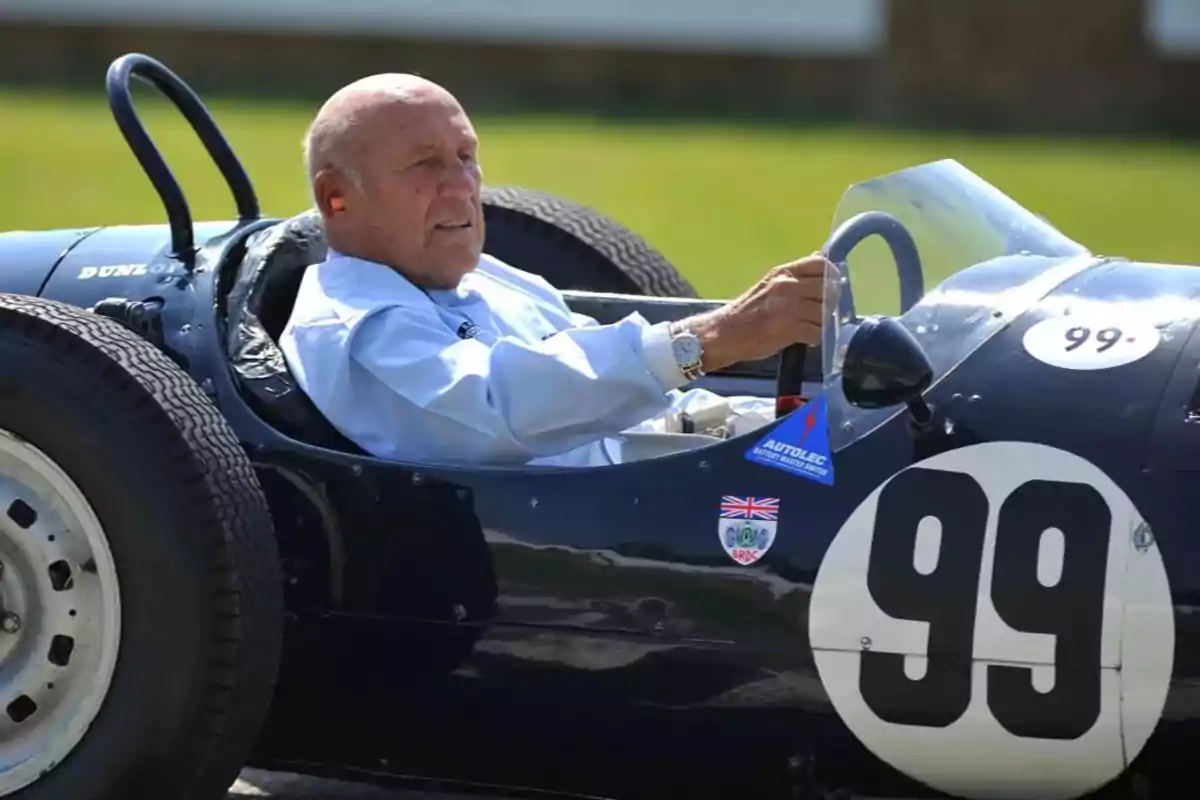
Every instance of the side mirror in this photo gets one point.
(885, 365)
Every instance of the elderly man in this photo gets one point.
(418, 346)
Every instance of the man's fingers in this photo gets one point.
(810, 309)
(833, 291)
(812, 283)
(811, 288)
(807, 268)
(815, 265)
(800, 296)
(808, 333)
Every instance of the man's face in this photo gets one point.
(418, 208)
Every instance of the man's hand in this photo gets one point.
(785, 307)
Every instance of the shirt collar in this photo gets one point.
(459, 295)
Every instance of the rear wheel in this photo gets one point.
(140, 587)
(575, 247)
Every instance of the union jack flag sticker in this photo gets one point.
(747, 525)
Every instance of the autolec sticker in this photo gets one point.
(799, 444)
(996, 621)
(747, 526)
(1088, 343)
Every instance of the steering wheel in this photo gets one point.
(792, 361)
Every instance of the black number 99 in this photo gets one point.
(1078, 335)
(946, 598)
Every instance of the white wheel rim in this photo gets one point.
(60, 614)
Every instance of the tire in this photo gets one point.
(179, 597)
(574, 247)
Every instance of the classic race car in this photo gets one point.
(939, 571)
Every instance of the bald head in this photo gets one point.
(336, 134)
(392, 164)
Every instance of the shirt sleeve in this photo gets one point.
(512, 400)
(581, 320)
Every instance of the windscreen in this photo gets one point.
(982, 257)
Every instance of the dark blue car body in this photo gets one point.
(585, 632)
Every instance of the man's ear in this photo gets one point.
(329, 193)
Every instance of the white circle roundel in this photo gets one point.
(996, 622)
(1086, 343)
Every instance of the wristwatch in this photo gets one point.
(688, 351)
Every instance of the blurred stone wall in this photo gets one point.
(497, 76)
(1083, 65)
(1056, 60)
(1033, 63)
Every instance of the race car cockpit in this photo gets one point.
(937, 219)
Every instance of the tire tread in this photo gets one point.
(591, 235)
(227, 501)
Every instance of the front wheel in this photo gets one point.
(140, 586)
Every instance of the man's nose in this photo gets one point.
(461, 181)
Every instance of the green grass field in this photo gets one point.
(723, 202)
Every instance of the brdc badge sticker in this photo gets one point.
(747, 526)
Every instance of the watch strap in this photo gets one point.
(693, 370)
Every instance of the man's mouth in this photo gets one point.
(454, 225)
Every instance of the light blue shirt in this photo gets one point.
(496, 371)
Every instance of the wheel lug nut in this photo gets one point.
(10, 622)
